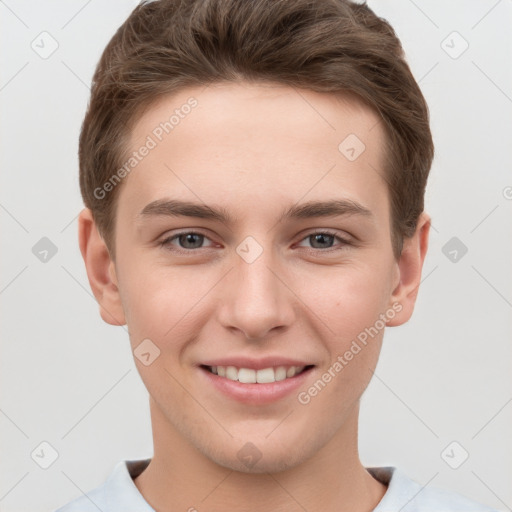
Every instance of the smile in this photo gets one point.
(251, 376)
(256, 382)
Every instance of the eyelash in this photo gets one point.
(167, 241)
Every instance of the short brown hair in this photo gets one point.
(334, 46)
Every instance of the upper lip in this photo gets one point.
(256, 364)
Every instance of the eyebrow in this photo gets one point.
(310, 209)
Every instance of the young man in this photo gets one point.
(254, 174)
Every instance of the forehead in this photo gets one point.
(259, 106)
(273, 140)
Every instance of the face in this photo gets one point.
(285, 262)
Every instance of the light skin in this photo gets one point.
(256, 151)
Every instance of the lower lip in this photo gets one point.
(256, 394)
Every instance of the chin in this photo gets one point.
(262, 466)
(260, 458)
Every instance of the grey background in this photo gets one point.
(69, 379)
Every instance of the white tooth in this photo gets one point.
(231, 373)
(280, 373)
(247, 376)
(265, 376)
(250, 376)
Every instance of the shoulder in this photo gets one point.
(117, 494)
(444, 500)
(90, 502)
(406, 495)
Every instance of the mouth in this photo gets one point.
(262, 376)
(256, 386)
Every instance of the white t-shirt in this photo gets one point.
(120, 494)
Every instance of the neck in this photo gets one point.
(179, 477)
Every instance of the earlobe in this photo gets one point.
(100, 270)
(409, 268)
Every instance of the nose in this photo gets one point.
(256, 298)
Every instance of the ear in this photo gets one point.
(409, 268)
(100, 269)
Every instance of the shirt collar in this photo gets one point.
(124, 492)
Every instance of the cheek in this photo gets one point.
(163, 304)
(353, 341)
(147, 301)
(348, 301)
